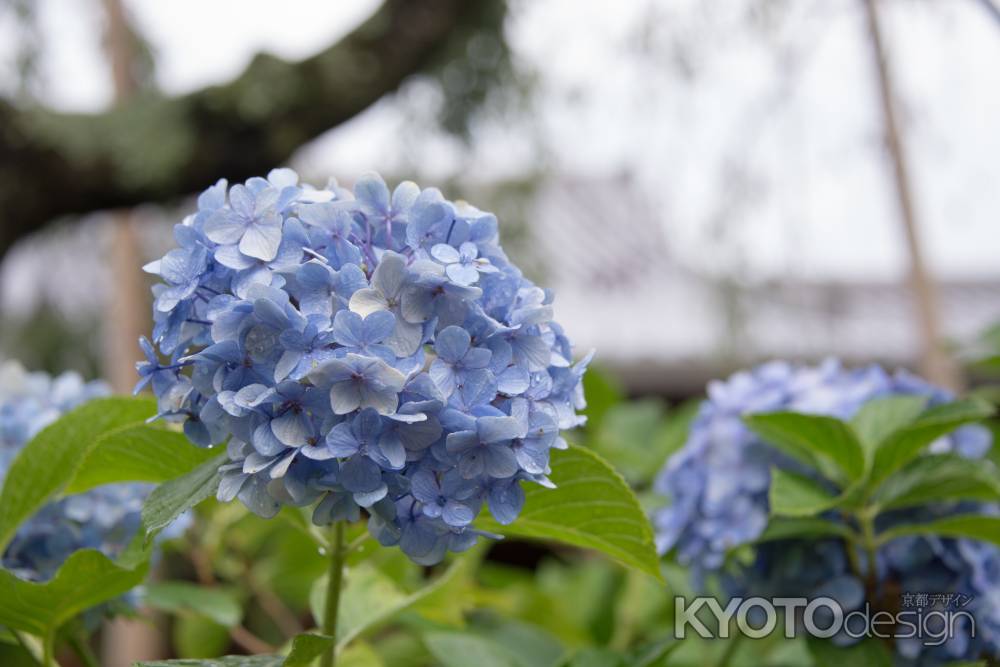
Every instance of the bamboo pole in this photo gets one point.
(936, 363)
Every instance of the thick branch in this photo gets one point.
(154, 148)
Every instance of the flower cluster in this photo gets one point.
(104, 518)
(718, 487)
(374, 350)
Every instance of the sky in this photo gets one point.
(755, 141)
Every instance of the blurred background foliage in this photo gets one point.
(704, 185)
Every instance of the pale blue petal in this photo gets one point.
(505, 502)
(261, 241)
(457, 514)
(370, 189)
(390, 275)
(359, 474)
(445, 254)
(462, 274)
(378, 326)
(452, 343)
(225, 226)
(348, 328)
(500, 461)
(292, 428)
(345, 397)
(498, 429)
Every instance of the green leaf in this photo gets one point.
(198, 637)
(86, 579)
(868, 652)
(360, 654)
(988, 366)
(453, 649)
(902, 446)
(816, 440)
(226, 661)
(49, 463)
(529, 645)
(654, 653)
(171, 499)
(881, 416)
(603, 392)
(591, 507)
(142, 453)
(628, 436)
(370, 598)
(218, 604)
(797, 495)
(596, 657)
(939, 477)
(783, 528)
(306, 648)
(972, 526)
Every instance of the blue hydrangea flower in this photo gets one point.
(368, 353)
(105, 518)
(717, 485)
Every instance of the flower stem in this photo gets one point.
(730, 649)
(336, 577)
(866, 519)
(31, 645)
(49, 650)
(83, 651)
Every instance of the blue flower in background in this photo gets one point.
(717, 485)
(105, 518)
(372, 353)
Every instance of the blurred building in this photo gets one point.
(666, 323)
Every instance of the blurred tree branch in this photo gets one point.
(156, 148)
(991, 8)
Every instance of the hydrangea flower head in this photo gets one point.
(718, 483)
(104, 518)
(367, 351)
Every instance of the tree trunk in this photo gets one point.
(125, 641)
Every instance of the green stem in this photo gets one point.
(48, 650)
(336, 577)
(730, 649)
(30, 644)
(866, 518)
(83, 651)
